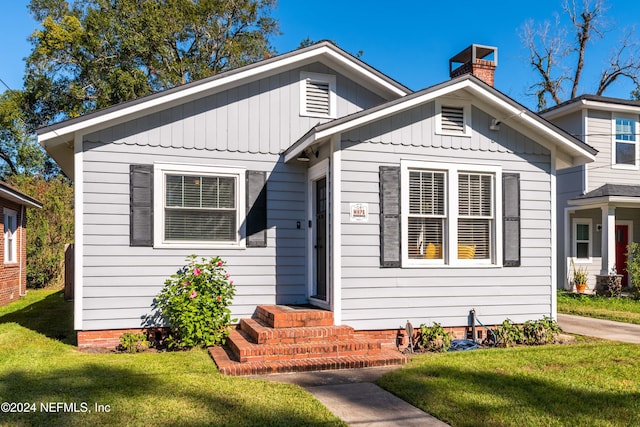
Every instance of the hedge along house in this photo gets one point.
(321, 181)
(13, 270)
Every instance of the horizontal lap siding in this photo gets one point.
(600, 136)
(120, 281)
(375, 297)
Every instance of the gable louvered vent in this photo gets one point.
(318, 97)
(453, 119)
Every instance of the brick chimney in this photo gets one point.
(480, 61)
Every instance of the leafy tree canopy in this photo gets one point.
(91, 54)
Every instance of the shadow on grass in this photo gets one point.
(465, 398)
(51, 316)
(98, 394)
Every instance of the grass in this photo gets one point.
(587, 384)
(618, 309)
(39, 364)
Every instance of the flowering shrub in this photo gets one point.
(195, 301)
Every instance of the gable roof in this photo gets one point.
(9, 192)
(597, 102)
(324, 52)
(570, 150)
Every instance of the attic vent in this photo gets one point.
(317, 95)
(452, 119)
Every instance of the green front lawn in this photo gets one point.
(38, 365)
(588, 384)
(617, 309)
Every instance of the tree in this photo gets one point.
(557, 52)
(49, 228)
(19, 150)
(91, 54)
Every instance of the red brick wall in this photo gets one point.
(13, 277)
(110, 338)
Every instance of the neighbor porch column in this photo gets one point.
(608, 239)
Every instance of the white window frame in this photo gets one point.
(574, 240)
(320, 78)
(10, 236)
(450, 233)
(161, 170)
(457, 103)
(615, 141)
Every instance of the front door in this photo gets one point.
(320, 248)
(622, 240)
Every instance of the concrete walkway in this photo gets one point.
(605, 329)
(352, 396)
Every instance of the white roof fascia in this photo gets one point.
(588, 103)
(604, 200)
(526, 116)
(15, 197)
(204, 87)
(376, 115)
(563, 143)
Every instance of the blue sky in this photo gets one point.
(410, 41)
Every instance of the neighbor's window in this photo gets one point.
(10, 237)
(625, 141)
(582, 239)
(198, 206)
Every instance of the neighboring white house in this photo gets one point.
(320, 180)
(599, 203)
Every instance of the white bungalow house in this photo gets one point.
(327, 183)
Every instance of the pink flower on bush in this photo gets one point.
(185, 283)
(231, 282)
(228, 275)
(218, 298)
(220, 263)
(196, 272)
(193, 294)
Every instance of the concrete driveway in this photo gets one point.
(605, 329)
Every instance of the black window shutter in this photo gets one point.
(141, 205)
(256, 222)
(390, 236)
(511, 219)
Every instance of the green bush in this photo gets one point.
(434, 338)
(133, 343)
(508, 334)
(195, 301)
(633, 268)
(543, 331)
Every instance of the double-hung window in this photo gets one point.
(450, 214)
(199, 206)
(625, 142)
(427, 214)
(475, 215)
(10, 240)
(582, 239)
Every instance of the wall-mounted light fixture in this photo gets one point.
(495, 124)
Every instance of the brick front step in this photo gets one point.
(262, 334)
(226, 365)
(245, 351)
(294, 339)
(283, 316)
